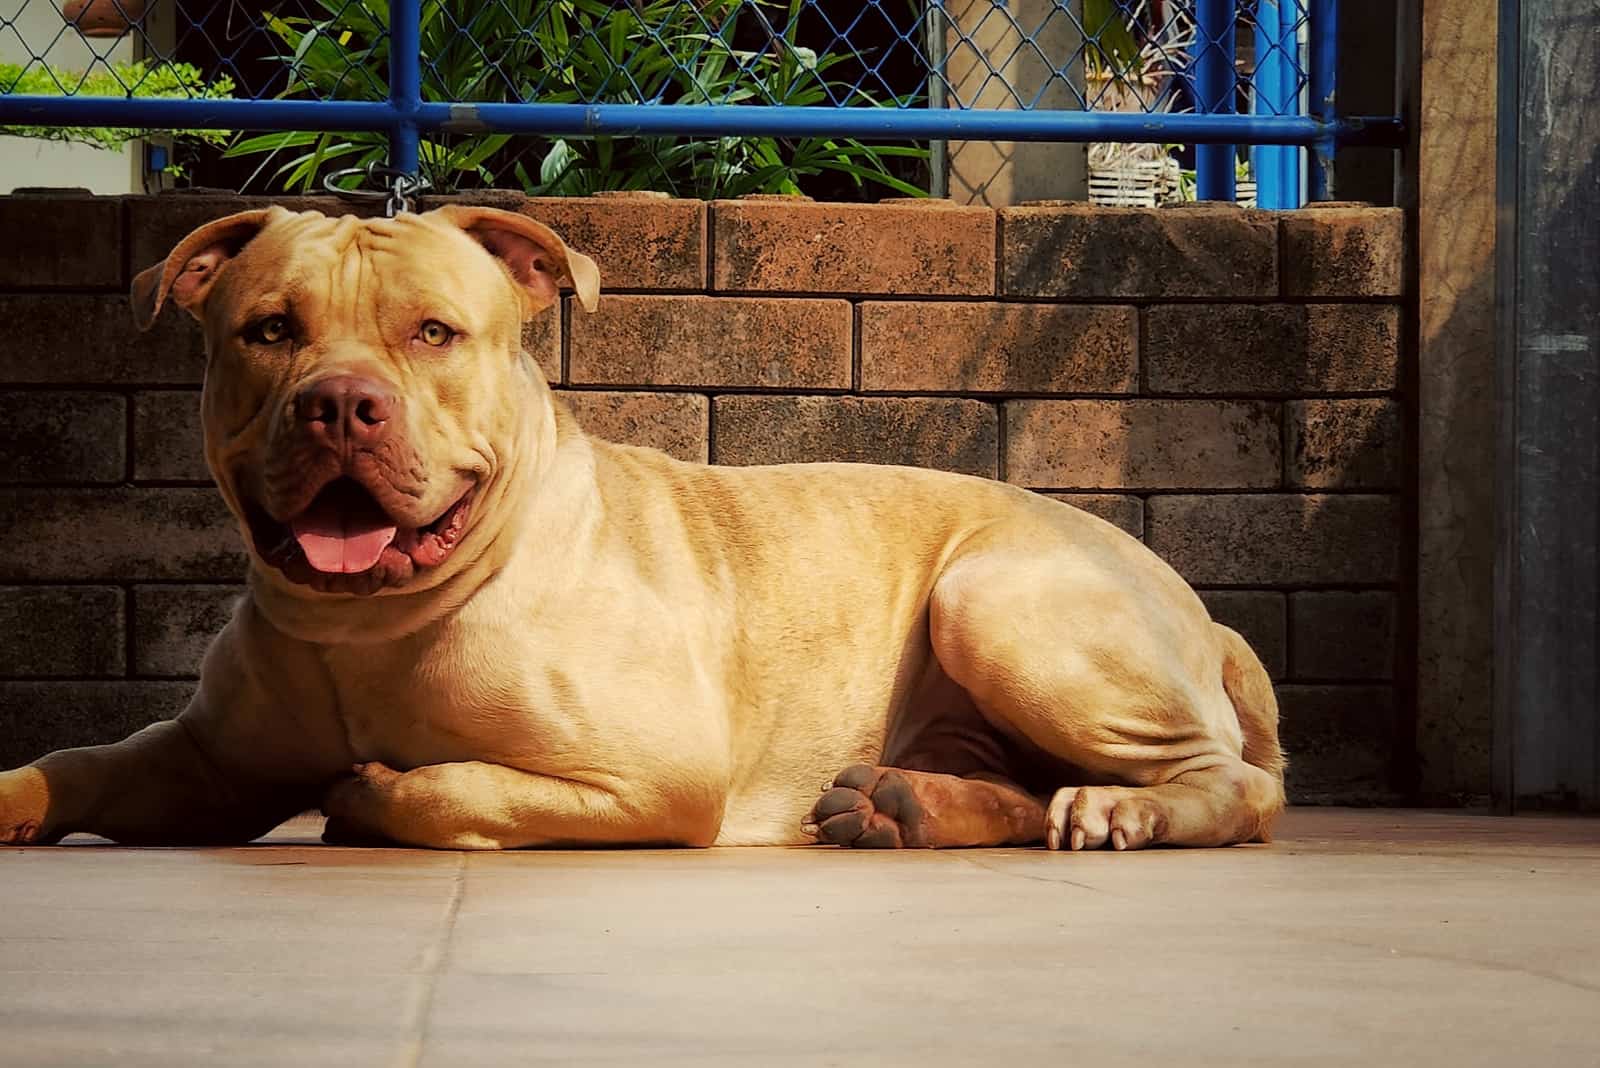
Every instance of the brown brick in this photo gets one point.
(927, 249)
(1075, 250)
(1271, 349)
(950, 434)
(1343, 444)
(61, 241)
(675, 423)
(1015, 348)
(61, 630)
(643, 243)
(1345, 251)
(55, 436)
(77, 339)
(174, 625)
(1352, 348)
(1114, 508)
(713, 341)
(1143, 444)
(120, 534)
(638, 242)
(157, 223)
(1279, 539)
(168, 442)
(1343, 634)
(1340, 742)
(541, 339)
(1260, 617)
(41, 717)
(1225, 348)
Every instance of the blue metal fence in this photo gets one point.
(419, 72)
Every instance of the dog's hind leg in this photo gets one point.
(892, 808)
(1117, 672)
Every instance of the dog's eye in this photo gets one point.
(268, 331)
(435, 333)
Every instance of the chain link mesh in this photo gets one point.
(1107, 55)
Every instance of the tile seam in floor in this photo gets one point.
(433, 963)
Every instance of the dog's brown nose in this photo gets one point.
(346, 411)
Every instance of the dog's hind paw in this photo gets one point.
(867, 808)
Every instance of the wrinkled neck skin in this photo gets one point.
(542, 492)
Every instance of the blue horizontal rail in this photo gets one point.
(696, 120)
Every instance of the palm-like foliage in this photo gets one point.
(662, 52)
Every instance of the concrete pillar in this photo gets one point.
(991, 64)
(1455, 195)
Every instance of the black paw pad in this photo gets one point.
(839, 800)
(857, 777)
(895, 799)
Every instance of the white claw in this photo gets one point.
(1055, 822)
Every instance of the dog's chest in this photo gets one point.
(426, 704)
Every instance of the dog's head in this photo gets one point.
(366, 397)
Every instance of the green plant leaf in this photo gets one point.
(139, 79)
(1107, 25)
(570, 51)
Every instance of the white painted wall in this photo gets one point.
(37, 28)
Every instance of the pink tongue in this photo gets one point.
(337, 539)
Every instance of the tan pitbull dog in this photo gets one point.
(469, 625)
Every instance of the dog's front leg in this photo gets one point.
(254, 747)
(158, 786)
(474, 805)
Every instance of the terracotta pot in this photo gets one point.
(103, 18)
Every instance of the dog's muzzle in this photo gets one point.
(342, 493)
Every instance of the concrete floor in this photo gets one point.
(1359, 938)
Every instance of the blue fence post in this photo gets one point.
(1214, 86)
(1276, 85)
(405, 82)
(1324, 31)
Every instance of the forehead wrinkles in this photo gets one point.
(347, 279)
(421, 270)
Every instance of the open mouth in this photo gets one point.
(344, 532)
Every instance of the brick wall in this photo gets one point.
(1220, 383)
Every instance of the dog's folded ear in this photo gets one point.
(189, 270)
(535, 255)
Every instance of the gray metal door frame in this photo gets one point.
(1547, 570)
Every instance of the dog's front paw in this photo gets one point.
(354, 804)
(24, 799)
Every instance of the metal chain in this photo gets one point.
(398, 192)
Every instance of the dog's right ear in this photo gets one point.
(189, 270)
